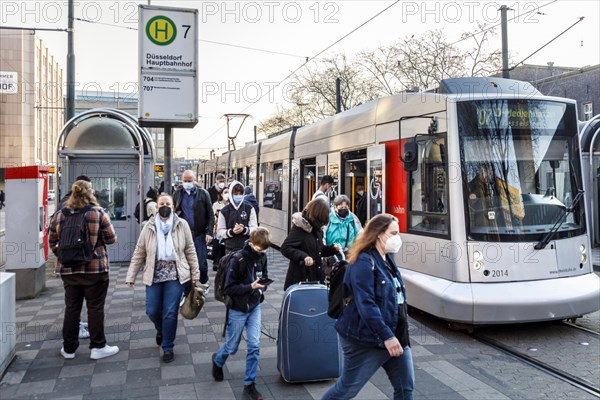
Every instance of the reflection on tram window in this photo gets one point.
(375, 192)
(429, 189)
(273, 178)
(111, 194)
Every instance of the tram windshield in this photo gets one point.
(520, 168)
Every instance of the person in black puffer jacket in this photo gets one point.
(304, 244)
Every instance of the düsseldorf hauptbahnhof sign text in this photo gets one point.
(168, 56)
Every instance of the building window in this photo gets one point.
(588, 111)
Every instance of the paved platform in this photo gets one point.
(447, 365)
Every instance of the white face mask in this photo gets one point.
(226, 197)
(221, 185)
(188, 185)
(393, 244)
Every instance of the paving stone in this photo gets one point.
(110, 378)
(183, 391)
(447, 364)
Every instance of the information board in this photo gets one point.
(168, 60)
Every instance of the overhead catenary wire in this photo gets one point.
(202, 40)
(273, 87)
(535, 10)
(552, 40)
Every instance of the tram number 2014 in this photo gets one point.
(499, 273)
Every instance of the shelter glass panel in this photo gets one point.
(111, 194)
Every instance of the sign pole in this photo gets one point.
(167, 176)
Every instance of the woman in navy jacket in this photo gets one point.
(373, 327)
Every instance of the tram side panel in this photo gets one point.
(434, 266)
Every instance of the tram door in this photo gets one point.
(295, 189)
(333, 169)
(308, 167)
(115, 186)
(355, 181)
(375, 189)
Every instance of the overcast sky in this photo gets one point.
(234, 77)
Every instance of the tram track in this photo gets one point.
(562, 350)
(564, 376)
(581, 328)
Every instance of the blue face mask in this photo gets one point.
(237, 198)
(188, 185)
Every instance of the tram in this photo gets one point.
(485, 178)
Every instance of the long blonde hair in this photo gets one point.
(81, 195)
(368, 237)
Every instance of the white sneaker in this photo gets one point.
(204, 287)
(83, 332)
(66, 355)
(104, 352)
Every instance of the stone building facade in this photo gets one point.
(581, 84)
(30, 118)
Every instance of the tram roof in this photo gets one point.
(245, 154)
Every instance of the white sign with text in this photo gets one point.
(168, 50)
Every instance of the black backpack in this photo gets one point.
(337, 301)
(136, 213)
(74, 247)
(222, 273)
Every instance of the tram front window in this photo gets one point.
(520, 168)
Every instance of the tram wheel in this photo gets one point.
(461, 327)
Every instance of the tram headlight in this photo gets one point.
(478, 265)
(477, 255)
(583, 251)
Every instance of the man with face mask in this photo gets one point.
(217, 188)
(193, 204)
(237, 219)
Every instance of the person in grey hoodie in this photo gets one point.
(237, 219)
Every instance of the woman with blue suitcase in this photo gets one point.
(373, 327)
(304, 244)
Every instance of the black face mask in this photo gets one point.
(343, 212)
(164, 211)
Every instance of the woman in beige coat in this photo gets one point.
(166, 255)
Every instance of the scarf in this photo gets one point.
(166, 250)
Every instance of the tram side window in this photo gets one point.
(429, 189)
(273, 178)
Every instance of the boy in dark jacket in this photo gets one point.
(246, 293)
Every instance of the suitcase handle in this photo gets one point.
(342, 256)
(309, 283)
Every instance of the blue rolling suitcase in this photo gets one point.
(307, 343)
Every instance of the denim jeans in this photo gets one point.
(235, 326)
(201, 252)
(162, 307)
(361, 362)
